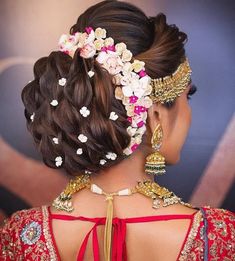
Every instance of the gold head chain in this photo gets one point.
(168, 88)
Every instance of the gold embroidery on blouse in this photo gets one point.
(191, 236)
(46, 231)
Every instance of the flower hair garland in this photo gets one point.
(133, 85)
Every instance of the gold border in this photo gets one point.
(46, 232)
(191, 236)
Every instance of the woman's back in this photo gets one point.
(145, 239)
(173, 233)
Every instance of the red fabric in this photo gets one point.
(119, 232)
(28, 235)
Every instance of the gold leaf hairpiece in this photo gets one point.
(168, 88)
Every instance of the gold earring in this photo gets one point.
(155, 162)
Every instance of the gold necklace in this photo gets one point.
(146, 187)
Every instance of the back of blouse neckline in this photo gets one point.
(128, 219)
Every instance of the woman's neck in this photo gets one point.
(123, 175)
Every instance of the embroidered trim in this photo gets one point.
(47, 235)
(31, 233)
(191, 236)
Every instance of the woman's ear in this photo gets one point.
(154, 115)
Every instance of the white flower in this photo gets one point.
(120, 47)
(100, 33)
(148, 89)
(79, 151)
(54, 103)
(127, 151)
(99, 43)
(91, 37)
(110, 61)
(82, 39)
(111, 155)
(137, 87)
(32, 116)
(102, 161)
(126, 56)
(127, 91)
(84, 111)
(138, 138)
(131, 131)
(138, 65)
(55, 140)
(113, 116)
(129, 78)
(127, 68)
(146, 102)
(88, 50)
(82, 138)
(29, 81)
(62, 82)
(58, 161)
(108, 41)
(67, 43)
(90, 73)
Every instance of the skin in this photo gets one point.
(175, 123)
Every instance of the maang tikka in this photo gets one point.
(155, 162)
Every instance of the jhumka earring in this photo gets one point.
(155, 162)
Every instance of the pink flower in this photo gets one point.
(142, 73)
(110, 61)
(133, 99)
(89, 29)
(139, 109)
(129, 119)
(140, 124)
(108, 48)
(134, 147)
(88, 51)
(111, 48)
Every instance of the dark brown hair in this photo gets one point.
(150, 39)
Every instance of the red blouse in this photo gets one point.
(27, 235)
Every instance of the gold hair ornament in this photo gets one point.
(147, 188)
(168, 88)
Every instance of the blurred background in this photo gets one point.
(206, 172)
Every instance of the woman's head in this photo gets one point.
(55, 128)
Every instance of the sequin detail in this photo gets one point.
(31, 233)
(191, 237)
(47, 235)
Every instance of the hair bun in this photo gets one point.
(68, 111)
(167, 49)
